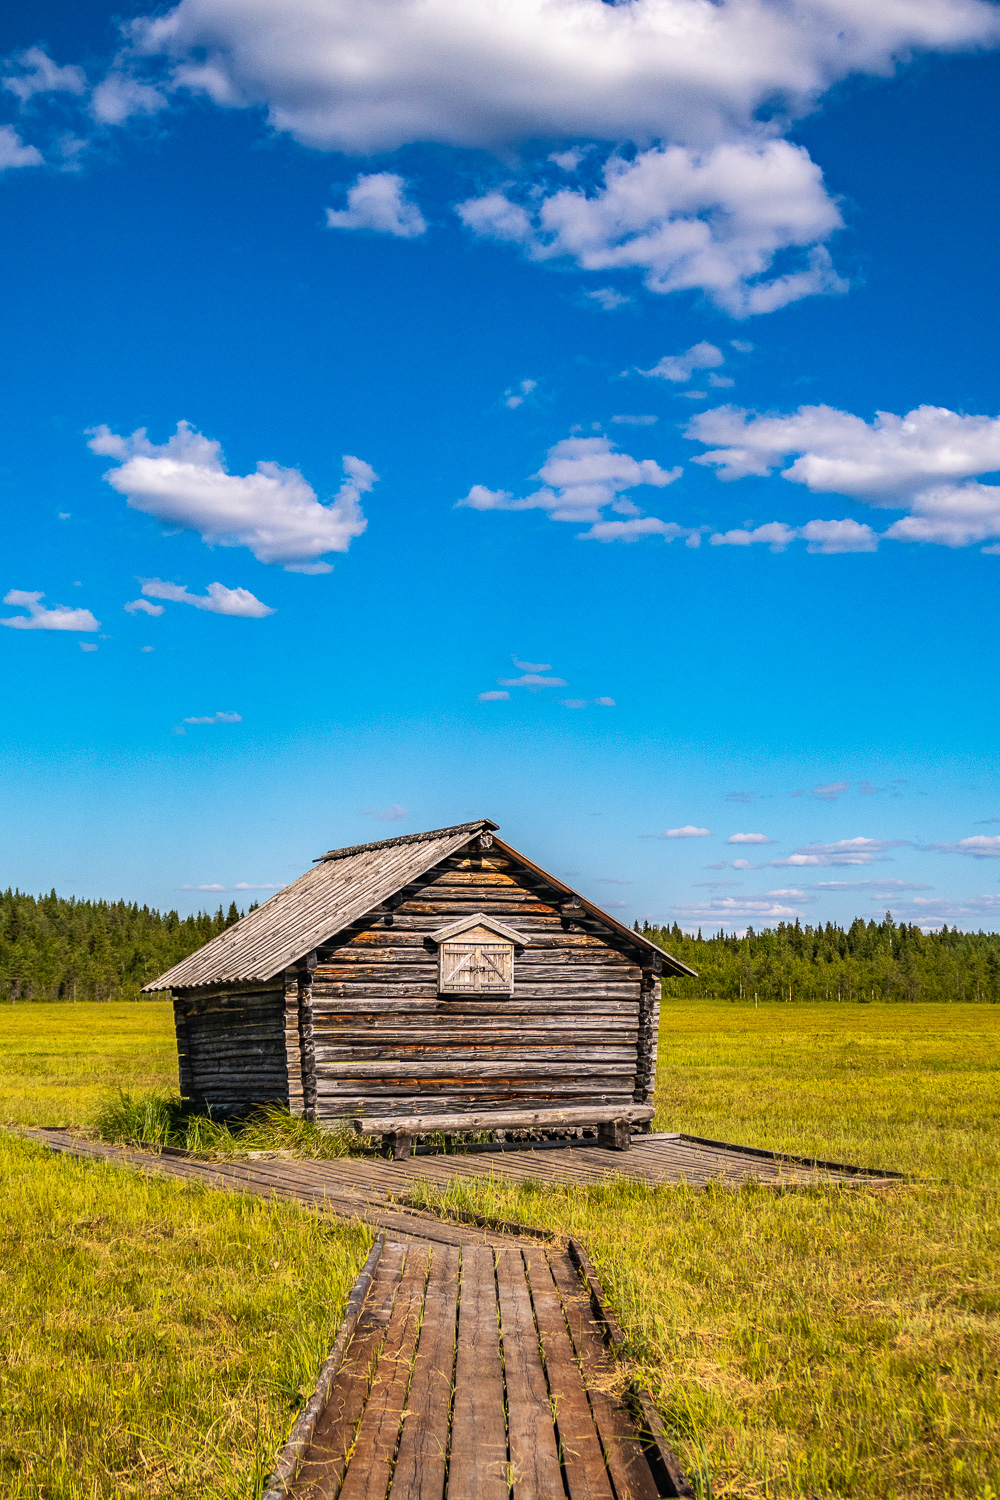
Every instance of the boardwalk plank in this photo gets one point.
(369, 1468)
(323, 1466)
(534, 1459)
(579, 1446)
(423, 1446)
(478, 1462)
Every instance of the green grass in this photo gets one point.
(832, 1342)
(59, 1061)
(159, 1118)
(156, 1338)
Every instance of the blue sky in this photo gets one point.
(609, 299)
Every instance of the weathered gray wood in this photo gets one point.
(478, 1439)
(534, 1459)
(503, 1119)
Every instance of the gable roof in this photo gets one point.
(342, 886)
(465, 924)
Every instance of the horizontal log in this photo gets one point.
(522, 1119)
(404, 991)
(326, 1008)
(467, 1041)
(408, 937)
(432, 1055)
(562, 1091)
(441, 1069)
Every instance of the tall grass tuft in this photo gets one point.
(157, 1117)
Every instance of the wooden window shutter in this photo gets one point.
(476, 966)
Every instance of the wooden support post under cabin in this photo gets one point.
(397, 1145)
(616, 1135)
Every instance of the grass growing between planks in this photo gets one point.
(826, 1341)
(159, 1118)
(59, 1061)
(156, 1338)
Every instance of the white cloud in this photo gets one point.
(121, 95)
(887, 887)
(925, 463)
(856, 851)
(532, 680)
(218, 600)
(605, 703)
(493, 697)
(88, 646)
(59, 617)
(831, 791)
(143, 606)
(514, 397)
(567, 160)
(573, 702)
(387, 814)
(532, 666)
(689, 831)
(607, 298)
(372, 77)
(742, 346)
(749, 838)
(273, 511)
(713, 221)
(13, 151)
(40, 75)
(680, 367)
(221, 717)
(979, 846)
(378, 201)
(627, 421)
(733, 911)
(775, 534)
(241, 885)
(581, 477)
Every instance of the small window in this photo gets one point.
(476, 966)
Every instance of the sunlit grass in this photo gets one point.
(58, 1061)
(156, 1338)
(157, 1117)
(826, 1341)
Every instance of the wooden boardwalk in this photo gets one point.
(477, 1373)
(378, 1191)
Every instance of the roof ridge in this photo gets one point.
(408, 838)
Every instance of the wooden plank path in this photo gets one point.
(376, 1191)
(478, 1373)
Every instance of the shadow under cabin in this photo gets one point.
(436, 982)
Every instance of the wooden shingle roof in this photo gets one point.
(342, 886)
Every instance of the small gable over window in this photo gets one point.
(476, 956)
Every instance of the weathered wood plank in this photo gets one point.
(534, 1459)
(504, 1119)
(420, 1465)
(478, 1458)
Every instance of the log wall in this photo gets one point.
(231, 1047)
(378, 1039)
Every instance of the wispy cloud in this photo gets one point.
(532, 680)
(749, 838)
(495, 696)
(532, 666)
(59, 617)
(517, 394)
(241, 885)
(856, 851)
(218, 599)
(689, 831)
(979, 846)
(831, 791)
(624, 420)
(607, 298)
(680, 367)
(221, 717)
(387, 814)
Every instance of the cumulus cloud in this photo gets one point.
(387, 814)
(712, 221)
(496, 696)
(532, 680)
(514, 397)
(39, 617)
(689, 831)
(143, 606)
(378, 201)
(827, 537)
(532, 666)
(775, 534)
(749, 838)
(221, 717)
(14, 152)
(218, 600)
(680, 367)
(856, 851)
(273, 511)
(634, 421)
(733, 911)
(120, 96)
(831, 791)
(34, 72)
(581, 478)
(925, 463)
(979, 846)
(464, 72)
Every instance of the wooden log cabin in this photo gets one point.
(438, 981)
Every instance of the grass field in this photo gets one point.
(58, 1062)
(824, 1342)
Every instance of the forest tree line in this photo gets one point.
(866, 962)
(52, 948)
